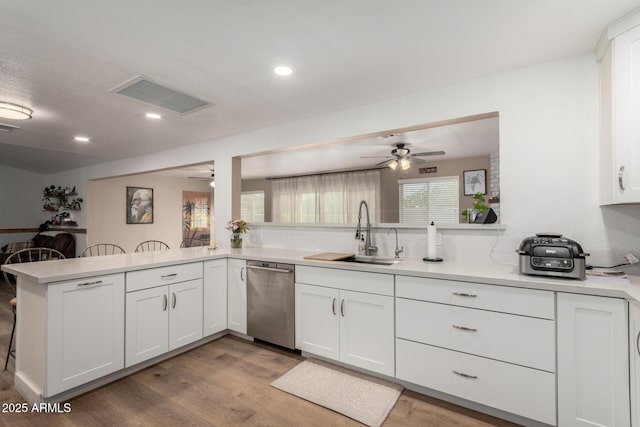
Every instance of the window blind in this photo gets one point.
(252, 206)
(429, 199)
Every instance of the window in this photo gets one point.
(326, 199)
(429, 199)
(252, 206)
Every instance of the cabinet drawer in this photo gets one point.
(152, 277)
(522, 340)
(359, 281)
(496, 384)
(506, 299)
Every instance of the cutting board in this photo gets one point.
(329, 256)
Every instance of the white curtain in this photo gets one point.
(328, 199)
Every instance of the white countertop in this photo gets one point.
(490, 273)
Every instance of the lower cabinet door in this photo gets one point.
(367, 332)
(317, 320)
(634, 360)
(214, 294)
(185, 314)
(237, 295)
(85, 338)
(147, 324)
(593, 361)
(523, 391)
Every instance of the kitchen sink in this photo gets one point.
(379, 260)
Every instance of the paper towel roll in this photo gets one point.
(432, 250)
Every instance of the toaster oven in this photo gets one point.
(550, 254)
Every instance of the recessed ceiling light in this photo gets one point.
(153, 116)
(81, 138)
(283, 70)
(14, 111)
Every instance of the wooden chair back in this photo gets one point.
(100, 249)
(152, 245)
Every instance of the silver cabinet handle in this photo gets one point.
(242, 274)
(638, 343)
(274, 270)
(342, 308)
(173, 305)
(168, 276)
(333, 306)
(165, 302)
(620, 177)
(464, 328)
(82, 285)
(462, 374)
(462, 294)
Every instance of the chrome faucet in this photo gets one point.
(398, 251)
(369, 248)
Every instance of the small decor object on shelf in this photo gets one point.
(238, 227)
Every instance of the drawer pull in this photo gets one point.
(462, 294)
(169, 276)
(82, 285)
(462, 374)
(464, 328)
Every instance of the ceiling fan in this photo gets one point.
(211, 178)
(401, 155)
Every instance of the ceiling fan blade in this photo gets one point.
(384, 162)
(417, 160)
(376, 157)
(429, 153)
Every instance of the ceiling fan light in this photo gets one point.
(405, 164)
(393, 165)
(212, 184)
(14, 111)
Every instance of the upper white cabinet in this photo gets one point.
(237, 289)
(593, 361)
(215, 296)
(85, 331)
(619, 56)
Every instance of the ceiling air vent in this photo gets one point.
(8, 128)
(152, 92)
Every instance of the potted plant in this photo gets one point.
(238, 227)
(479, 205)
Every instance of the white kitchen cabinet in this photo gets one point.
(593, 361)
(214, 296)
(619, 54)
(85, 331)
(352, 327)
(634, 360)
(161, 319)
(237, 295)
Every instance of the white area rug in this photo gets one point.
(361, 397)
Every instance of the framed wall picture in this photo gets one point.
(475, 181)
(139, 205)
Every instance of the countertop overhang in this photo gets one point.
(49, 272)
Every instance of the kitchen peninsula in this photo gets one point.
(85, 322)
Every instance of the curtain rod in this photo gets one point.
(326, 173)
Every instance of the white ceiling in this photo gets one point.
(63, 58)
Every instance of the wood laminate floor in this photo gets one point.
(222, 383)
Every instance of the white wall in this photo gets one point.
(548, 150)
(20, 193)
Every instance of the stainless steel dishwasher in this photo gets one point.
(270, 302)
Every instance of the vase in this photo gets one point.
(236, 240)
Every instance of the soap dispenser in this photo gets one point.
(362, 247)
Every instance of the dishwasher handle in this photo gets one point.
(272, 269)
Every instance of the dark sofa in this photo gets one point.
(62, 242)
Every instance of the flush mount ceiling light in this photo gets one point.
(283, 70)
(153, 116)
(81, 139)
(14, 111)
